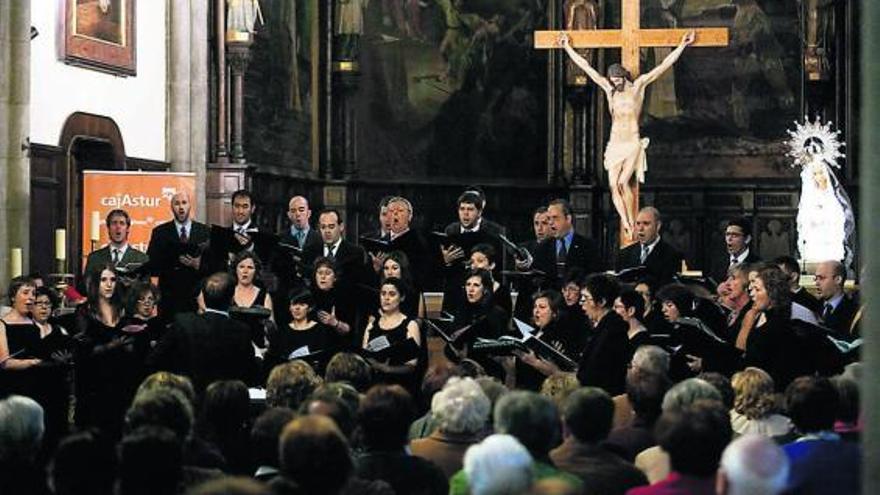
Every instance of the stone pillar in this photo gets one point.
(870, 224)
(239, 55)
(186, 127)
(15, 177)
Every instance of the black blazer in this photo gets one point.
(178, 284)
(841, 318)
(582, 254)
(206, 348)
(807, 300)
(351, 261)
(721, 274)
(662, 263)
(420, 259)
(605, 359)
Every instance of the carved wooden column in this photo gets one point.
(239, 55)
(346, 81)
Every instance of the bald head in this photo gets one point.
(830, 276)
(181, 206)
(753, 465)
(298, 212)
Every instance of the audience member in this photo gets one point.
(752, 465)
(265, 435)
(21, 436)
(694, 436)
(289, 384)
(224, 421)
(349, 368)
(534, 421)
(461, 412)
(755, 407)
(499, 465)
(383, 419)
(586, 420)
(820, 461)
(150, 462)
(84, 464)
(644, 394)
(337, 401)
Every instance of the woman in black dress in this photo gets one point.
(303, 338)
(334, 306)
(249, 294)
(393, 342)
(104, 356)
(18, 334)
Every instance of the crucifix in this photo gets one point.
(625, 90)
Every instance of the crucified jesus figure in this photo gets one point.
(625, 158)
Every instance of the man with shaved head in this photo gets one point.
(661, 260)
(177, 257)
(300, 233)
(838, 310)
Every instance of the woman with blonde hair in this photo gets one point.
(755, 406)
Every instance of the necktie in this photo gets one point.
(645, 251)
(300, 236)
(733, 260)
(330, 253)
(826, 312)
(561, 256)
(115, 253)
(183, 237)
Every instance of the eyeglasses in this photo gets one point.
(147, 300)
(45, 304)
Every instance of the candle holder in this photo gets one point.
(61, 282)
(93, 245)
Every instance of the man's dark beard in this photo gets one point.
(619, 87)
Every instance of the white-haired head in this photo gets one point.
(752, 465)
(461, 407)
(651, 359)
(499, 465)
(21, 428)
(687, 392)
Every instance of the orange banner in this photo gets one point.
(146, 196)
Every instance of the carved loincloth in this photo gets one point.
(616, 153)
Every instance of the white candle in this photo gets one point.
(95, 226)
(15, 263)
(60, 244)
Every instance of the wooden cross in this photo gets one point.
(631, 37)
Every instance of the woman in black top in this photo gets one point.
(606, 357)
(389, 338)
(531, 370)
(396, 265)
(630, 305)
(249, 294)
(334, 306)
(770, 343)
(483, 258)
(103, 357)
(478, 308)
(303, 338)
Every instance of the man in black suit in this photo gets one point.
(118, 252)
(411, 243)
(838, 310)
(737, 238)
(799, 295)
(300, 233)
(454, 262)
(661, 260)
(211, 346)
(352, 273)
(350, 259)
(565, 250)
(526, 286)
(177, 256)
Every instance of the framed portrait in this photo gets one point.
(100, 34)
